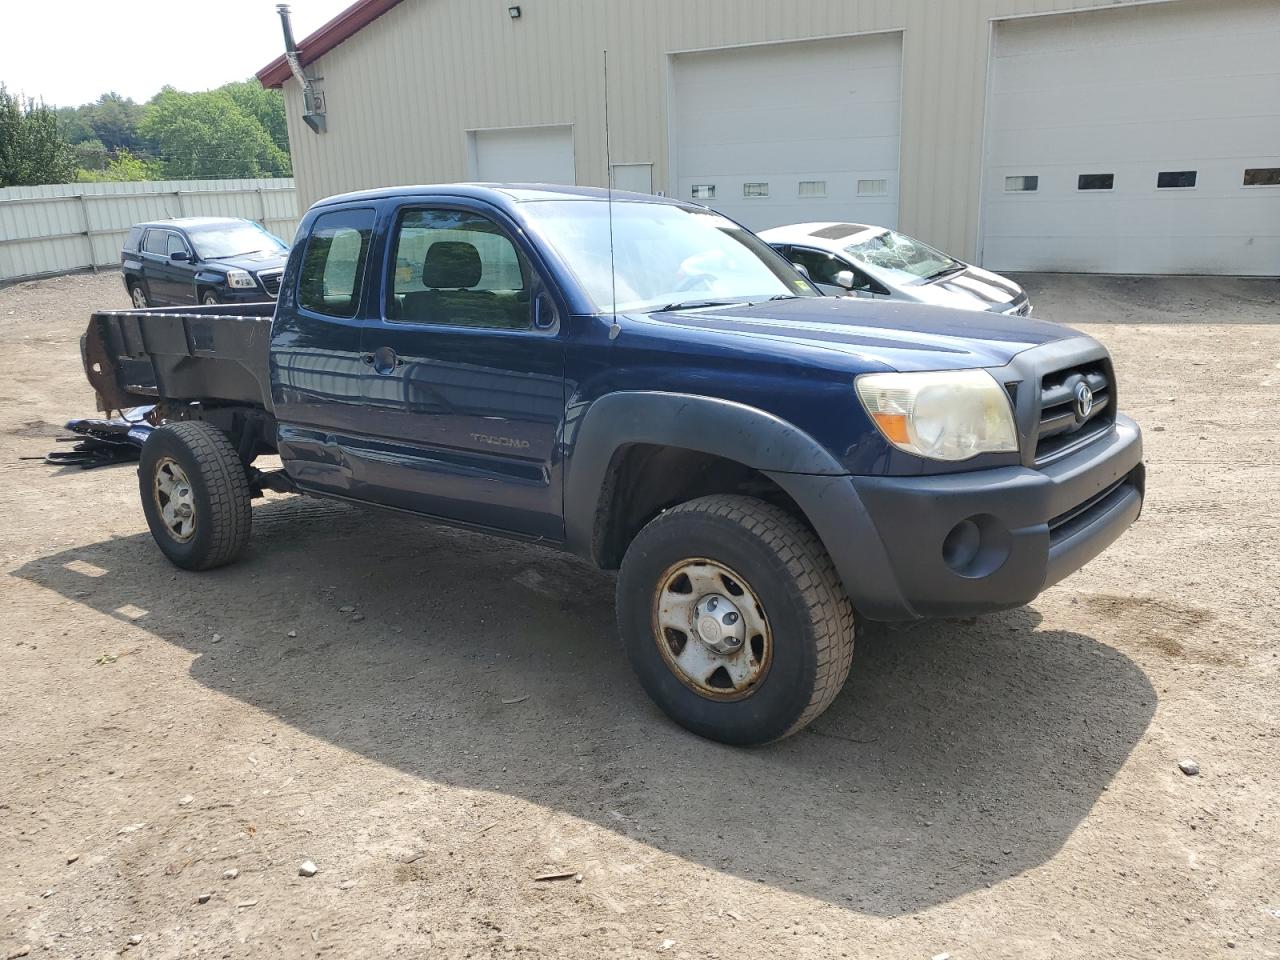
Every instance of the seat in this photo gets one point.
(450, 271)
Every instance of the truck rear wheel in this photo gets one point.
(195, 494)
(734, 619)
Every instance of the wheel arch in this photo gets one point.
(649, 438)
(633, 454)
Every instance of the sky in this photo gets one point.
(68, 52)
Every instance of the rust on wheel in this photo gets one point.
(711, 629)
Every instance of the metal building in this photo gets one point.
(1084, 135)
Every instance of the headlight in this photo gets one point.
(240, 279)
(944, 415)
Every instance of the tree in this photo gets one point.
(114, 120)
(266, 106)
(73, 123)
(32, 151)
(207, 134)
(89, 155)
(124, 166)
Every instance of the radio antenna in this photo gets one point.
(614, 328)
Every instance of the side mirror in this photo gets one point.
(802, 270)
(180, 256)
(846, 279)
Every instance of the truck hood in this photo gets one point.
(902, 336)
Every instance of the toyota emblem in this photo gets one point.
(1084, 401)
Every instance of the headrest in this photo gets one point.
(451, 264)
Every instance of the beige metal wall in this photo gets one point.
(59, 227)
(402, 92)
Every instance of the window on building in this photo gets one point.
(703, 191)
(873, 188)
(456, 268)
(1175, 179)
(1022, 184)
(755, 189)
(332, 273)
(1096, 181)
(812, 188)
(1262, 177)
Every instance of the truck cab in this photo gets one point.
(646, 384)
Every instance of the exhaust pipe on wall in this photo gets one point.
(312, 100)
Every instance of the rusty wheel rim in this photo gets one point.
(711, 629)
(175, 499)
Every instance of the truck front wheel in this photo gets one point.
(734, 619)
(195, 494)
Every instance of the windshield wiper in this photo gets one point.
(945, 271)
(699, 304)
(785, 296)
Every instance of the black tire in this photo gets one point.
(808, 613)
(138, 291)
(209, 299)
(217, 492)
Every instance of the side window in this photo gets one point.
(456, 268)
(822, 267)
(157, 242)
(134, 243)
(333, 264)
(176, 245)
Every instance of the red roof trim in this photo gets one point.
(342, 27)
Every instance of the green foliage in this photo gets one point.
(267, 106)
(237, 130)
(32, 151)
(124, 166)
(115, 121)
(89, 155)
(73, 124)
(207, 134)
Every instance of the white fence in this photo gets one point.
(61, 227)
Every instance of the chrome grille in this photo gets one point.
(1063, 426)
(270, 282)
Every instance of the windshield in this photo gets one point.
(233, 240)
(663, 255)
(905, 260)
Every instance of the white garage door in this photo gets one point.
(791, 132)
(1142, 140)
(523, 155)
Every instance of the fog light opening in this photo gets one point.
(977, 546)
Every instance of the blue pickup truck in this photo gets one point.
(646, 384)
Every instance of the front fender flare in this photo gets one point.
(809, 474)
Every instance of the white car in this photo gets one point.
(854, 259)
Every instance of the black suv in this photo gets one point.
(201, 260)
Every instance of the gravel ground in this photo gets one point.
(1005, 787)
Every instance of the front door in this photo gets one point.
(465, 376)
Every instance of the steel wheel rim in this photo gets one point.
(724, 660)
(174, 499)
(210, 300)
(139, 298)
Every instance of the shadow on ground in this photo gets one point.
(958, 755)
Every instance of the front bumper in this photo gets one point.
(966, 543)
(244, 295)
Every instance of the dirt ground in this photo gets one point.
(1007, 787)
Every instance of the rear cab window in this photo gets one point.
(334, 263)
